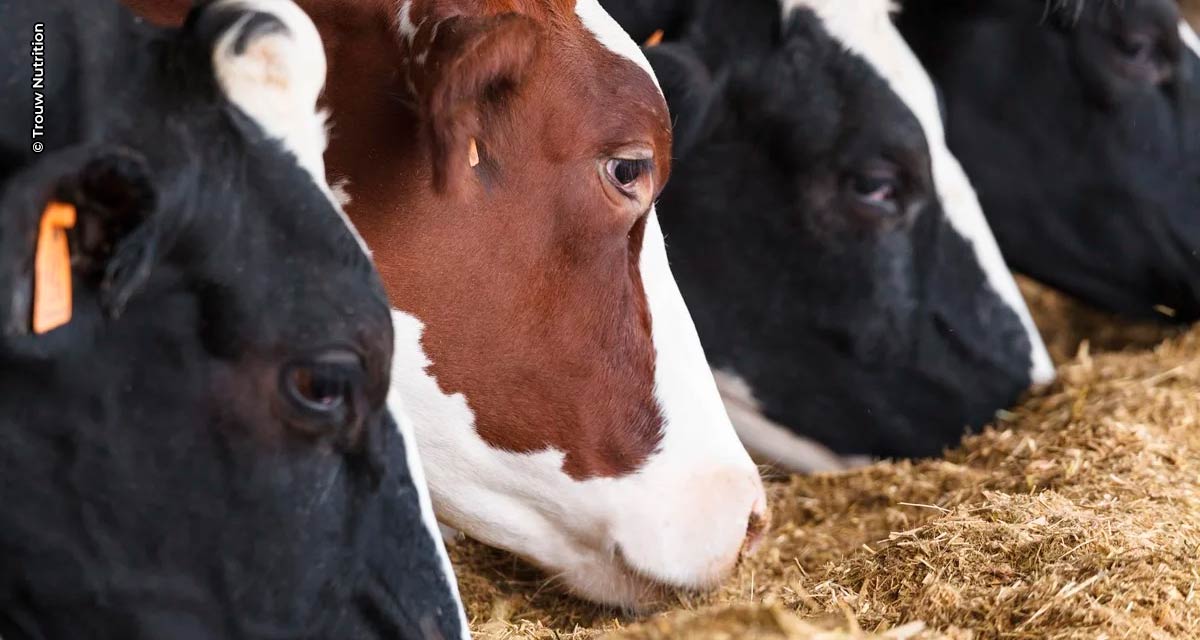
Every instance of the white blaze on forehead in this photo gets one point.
(1189, 37)
(696, 424)
(276, 81)
(611, 35)
(865, 28)
(696, 421)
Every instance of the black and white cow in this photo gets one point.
(1079, 124)
(843, 280)
(203, 449)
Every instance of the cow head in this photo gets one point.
(502, 162)
(204, 450)
(842, 278)
(1079, 124)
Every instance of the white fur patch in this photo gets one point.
(611, 35)
(865, 27)
(1189, 37)
(276, 81)
(681, 518)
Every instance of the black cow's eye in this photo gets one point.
(1140, 57)
(1136, 48)
(625, 172)
(877, 189)
(324, 386)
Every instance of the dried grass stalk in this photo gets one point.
(1077, 515)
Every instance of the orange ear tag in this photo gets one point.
(473, 153)
(52, 269)
(655, 39)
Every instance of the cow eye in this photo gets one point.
(625, 173)
(324, 386)
(1140, 57)
(878, 190)
(1137, 48)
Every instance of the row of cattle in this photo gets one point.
(220, 440)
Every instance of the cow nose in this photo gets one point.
(690, 530)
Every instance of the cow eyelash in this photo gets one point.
(625, 172)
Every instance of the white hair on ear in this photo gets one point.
(276, 76)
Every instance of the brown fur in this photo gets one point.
(524, 270)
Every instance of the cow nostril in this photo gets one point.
(756, 528)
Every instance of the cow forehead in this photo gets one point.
(611, 36)
(865, 27)
(411, 14)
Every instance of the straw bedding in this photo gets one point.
(1077, 515)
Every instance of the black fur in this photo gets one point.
(871, 334)
(1088, 169)
(156, 482)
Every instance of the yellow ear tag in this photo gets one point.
(473, 153)
(655, 39)
(52, 269)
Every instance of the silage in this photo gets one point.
(1077, 515)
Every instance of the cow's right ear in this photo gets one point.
(690, 89)
(464, 69)
(113, 242)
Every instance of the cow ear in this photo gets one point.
(269, 61)
(112, 242)
(690, 90)
(469, 69)
(117, 239)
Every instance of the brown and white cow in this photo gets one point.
(502, 158)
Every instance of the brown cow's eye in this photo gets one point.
(626, 172)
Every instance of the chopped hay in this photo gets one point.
(1076, 516)
(762, 622)
(1066, 323)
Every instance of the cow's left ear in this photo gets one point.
(112, 243)
(269, 61)
(465, 69)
